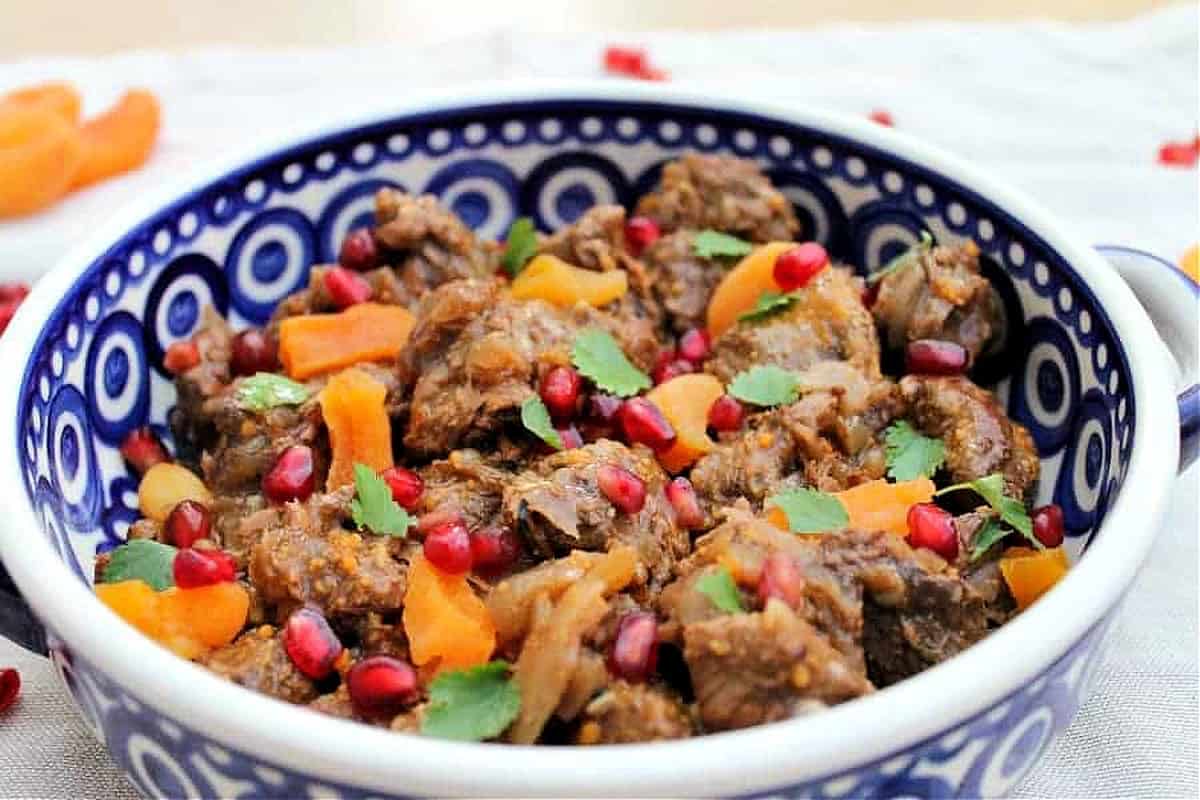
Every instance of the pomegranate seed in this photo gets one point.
(672, 369)
(435, 519)
(193, 568)
(882, 117)
(634, 652)
(935, 357)
(664, 357)
(494, 550)
(870, 294)
(640, 233)
(1178, 154)
(310, 643)
(559, 389)
(780, 578)
(448, 547)
(570, 437)
(601, 416)
(643, 423)
(10, 687)
(682, 497)
(694, 345)
(726, 414)
(652, 74)
(143, 450)
(292, 476)
(346, 288)
(382, 686)
(252, 352)
(932, 527)
(623, 489)
(406, 486)
(180, 357)
(358, 251)
(7, 312)
(625, 60)
(796, 266)
(13, 292)
(1048, 525)
(187, 523)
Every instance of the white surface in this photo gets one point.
(1098, 101)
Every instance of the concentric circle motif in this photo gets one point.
(1045, 384)
(996, 362)
(117, 377)
(71, 457)
(817, 208)
(648, 181)
(118, 516)
(1082, 488)
(1016, 752)
(269, 258)
(484, 193)
(562, 187)
(880, 231)
(352, 207)
(175, 302)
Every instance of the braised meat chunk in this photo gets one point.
(626, 713)
(257, 660)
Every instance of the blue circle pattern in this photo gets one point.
(260, 235)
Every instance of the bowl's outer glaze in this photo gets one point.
(246, 240)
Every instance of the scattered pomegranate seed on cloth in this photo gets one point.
(1179, 154)
(10, 687)
(11, 297)
(631, 62)
(882, 117)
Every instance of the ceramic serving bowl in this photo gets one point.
(1083, 368)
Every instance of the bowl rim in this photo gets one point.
(786, 753)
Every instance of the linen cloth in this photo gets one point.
(1071, 114)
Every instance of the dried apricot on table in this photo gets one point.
(120, 139)
(40, 155)
(56, 96)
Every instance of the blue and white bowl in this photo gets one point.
(1084, 369)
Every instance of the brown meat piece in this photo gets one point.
(939, 294)
(192, 427)
(762, 667)
(626, 713)
(557, 507)
(258, 661)
(828, 322)
(721, 192)
(683, 281)
(385, 284)
(980, 438)
(467, 483)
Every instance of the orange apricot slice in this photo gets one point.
(1031, 573)
(316, 343)
(360, 432)
(446, 622)
(188, 621)
(120, 139)
(550, 278)
(57, 96)
(685, 401)
(741, 287)
(40, 155)
(875, 505)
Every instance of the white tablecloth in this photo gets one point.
(1072, 114)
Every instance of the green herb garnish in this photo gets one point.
(471, 705)
(264, 390)
(143, 560)
(990, 533)
(909, 256)
(1012, 512)
(810, 511)
(721, 590)
(766, 385)
(597, 355)
(768, 305)
(373, 508)
(713, 244)
(536, 419)
(519, 246)
(910, 454)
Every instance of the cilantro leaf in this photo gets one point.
(144, 560)
(597, 355)
(536, 419)
(909, 256)
(520, 245)
(471, 705)
(766, 385)
(990, 533)
(768, 304)
(911, 455)
(721, 590)
(1012, 512)
(712, 244)
(264, 390)
(373, 508)
(810, 511)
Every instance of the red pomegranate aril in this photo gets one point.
(406, 486)
(310, 643)
(623, 489)
(601, 416)
(672, 369)
(346, 288)
(932, 527)
(181, 356)
(882, 117)
(682, 496)
(292, 476)
(780, 578)
(935, 357)
(143, 450)
(625, 60)
(1178, 154)
(559, 390)
(1048, 525)
(570, 437)
(643, 423)
(448, 547)
(796, 266)
(10, 687)
(494, 550)
(694, 345)
(188, 523)
(358, 251)
(381, 686)
(726, 414)
(634, 652)
(13, 292)
(870, 294)
(252, 352)
(640, 233)
(193, 568)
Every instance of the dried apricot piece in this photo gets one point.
(120, 139)
(56, 96)
(40, 155)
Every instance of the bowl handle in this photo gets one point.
(16, 620)
(1172, 300)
